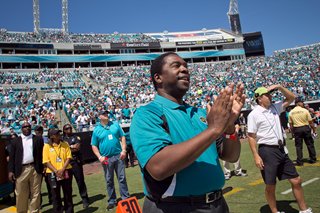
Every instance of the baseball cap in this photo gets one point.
(67, 126)
(104, 112)
(260, 91)
(53, 132)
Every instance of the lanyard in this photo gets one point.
(59, 149)
(275, 124)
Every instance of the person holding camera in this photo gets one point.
(264, 129)
(56, 157)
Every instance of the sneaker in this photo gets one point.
(241, 174)
(309, 210)
(227, 176)
(312, 161)
(110, 206)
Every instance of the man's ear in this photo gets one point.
(157, 78)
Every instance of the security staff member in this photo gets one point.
(76, 162)
(301, 124)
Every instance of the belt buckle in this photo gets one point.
(209, 199)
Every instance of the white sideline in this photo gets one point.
(303, 184)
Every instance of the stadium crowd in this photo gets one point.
(120, 90)
(60, 37)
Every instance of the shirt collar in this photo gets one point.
(168, 103)
(26, 137)
(107, 126)
(262, 109)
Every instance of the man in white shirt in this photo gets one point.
(25, 169)
(264, 129)
(82, 121)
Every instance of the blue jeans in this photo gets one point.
(115, 165)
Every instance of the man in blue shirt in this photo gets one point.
(126, 114)
(109, 145)
(175, 143)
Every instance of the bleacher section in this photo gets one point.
(122, 89)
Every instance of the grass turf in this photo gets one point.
(247, 195)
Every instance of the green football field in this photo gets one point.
(246, 196)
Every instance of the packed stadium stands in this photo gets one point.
(123, 88)
(54, 37)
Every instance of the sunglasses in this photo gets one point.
(67, 128)
(26, 126)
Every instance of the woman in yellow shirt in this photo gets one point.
(56, 157)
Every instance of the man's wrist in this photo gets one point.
(232, 137)
(125, 151)
(230, 130)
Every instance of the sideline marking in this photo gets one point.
(233, 191)
(257, 182)
(12, 209)
(314, 164)
(303, 184)
(8, 209)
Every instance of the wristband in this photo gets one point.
(124, 151)
(100, 157)
(232, 137)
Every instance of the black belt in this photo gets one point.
(281, 148)
(207, 198)
(271, 146)
(28, 164)
(298, 127)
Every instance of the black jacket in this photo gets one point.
(16, 155)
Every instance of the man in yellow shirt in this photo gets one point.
(301, 124)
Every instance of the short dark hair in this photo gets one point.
(38, 128)
(157, 64)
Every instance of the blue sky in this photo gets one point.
(283, 23)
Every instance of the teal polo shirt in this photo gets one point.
(126, 112)
(106, 138)
(185, 122)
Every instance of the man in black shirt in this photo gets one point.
(76, 162)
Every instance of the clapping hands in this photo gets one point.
(226, 108)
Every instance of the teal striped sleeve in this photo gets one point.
(147, 135)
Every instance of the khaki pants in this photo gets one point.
(28, 185)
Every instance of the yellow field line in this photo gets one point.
(314, 164)
(233, 191)
(12, 209)
(257, 182)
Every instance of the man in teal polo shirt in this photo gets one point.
(175, 143)
(109, 145)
